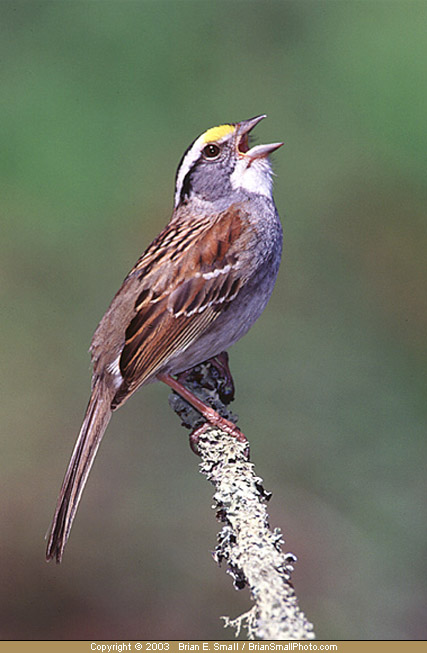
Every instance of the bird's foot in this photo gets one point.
(204, 388)
(235, 432)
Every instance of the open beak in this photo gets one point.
(258, 151)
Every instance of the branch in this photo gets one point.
(246, 543)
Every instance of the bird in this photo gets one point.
(196, 290)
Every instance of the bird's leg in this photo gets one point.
(211, 415)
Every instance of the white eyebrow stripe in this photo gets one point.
(187, 163)
(193, 154)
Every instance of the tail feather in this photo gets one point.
(98, 414)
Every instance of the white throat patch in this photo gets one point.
(254, 178)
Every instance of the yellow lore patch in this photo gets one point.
(217, 133)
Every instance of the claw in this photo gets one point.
(212, 416)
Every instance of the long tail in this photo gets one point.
(98, 414)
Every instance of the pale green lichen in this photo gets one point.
(246, 543)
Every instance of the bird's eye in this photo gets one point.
(211, 151)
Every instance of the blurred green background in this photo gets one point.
(98, 102)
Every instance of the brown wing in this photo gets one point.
(186, 276)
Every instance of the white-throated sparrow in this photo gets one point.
(198, 288)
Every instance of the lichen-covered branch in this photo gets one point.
(251, 550)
